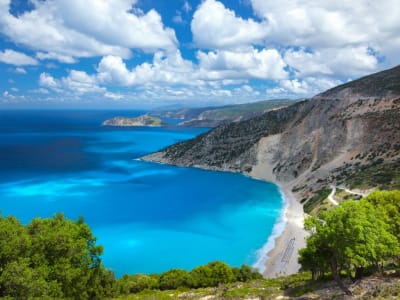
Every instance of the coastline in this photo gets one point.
(279, 256)
(277, 231)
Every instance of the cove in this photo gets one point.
(149, 217)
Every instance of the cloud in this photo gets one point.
(178, 19)
(113, 96)
(166, 68)
(20, 70)
(307, 87)
(68, 29)
(225, 67)
(328, 23)
(186, 7)
(329, 40)
(81, 83)
(7, 95)
(215, 26)
(246, 63)
(54, 56)
(333, 62)
(15, 58)
(291, 48)
(334, 25)
(76, 83)
(48, 81)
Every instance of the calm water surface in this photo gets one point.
(149, 217)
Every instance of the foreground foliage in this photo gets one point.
(210, 275)
(51, 258)
(355, 238)
(57, 258)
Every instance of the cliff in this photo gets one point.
(330, 138)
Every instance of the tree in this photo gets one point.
(173, 279)
(69, 249)
(14, 241)
(212, 274)
(19, 280)
(137, 283)
(246, 273)
(349, 238)
(388, 203)
(51, 258)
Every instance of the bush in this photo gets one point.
(137, 283)
(173, 279)
(211, 275)
(53, 258)
(246, 273)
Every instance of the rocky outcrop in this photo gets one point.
(144, 120)
(308, 144)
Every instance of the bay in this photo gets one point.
(149, 217)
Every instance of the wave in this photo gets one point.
(277, 230)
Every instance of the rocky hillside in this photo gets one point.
(331, 138)
(214, 116)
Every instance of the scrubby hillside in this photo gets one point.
(331, 138)
(214, 116)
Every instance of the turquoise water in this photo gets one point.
(149, 217)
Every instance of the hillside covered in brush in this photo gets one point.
(349, 133)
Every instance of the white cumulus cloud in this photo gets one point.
(166, 68)
(334, 25)
(244, 63)
(215, 26)
(68, 29)
(15, 58)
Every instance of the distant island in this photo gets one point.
(144, 120)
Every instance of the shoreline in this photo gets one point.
(277, 230)
(281, 258)
(278, 256)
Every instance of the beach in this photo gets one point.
(282, 258)
(280, 254)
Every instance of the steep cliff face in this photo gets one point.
(309, 144)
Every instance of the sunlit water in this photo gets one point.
(149, 217)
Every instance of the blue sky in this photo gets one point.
(150, 53)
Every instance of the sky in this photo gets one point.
(155, 53)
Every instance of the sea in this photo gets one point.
(149, 217)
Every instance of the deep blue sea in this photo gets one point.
(149, 217)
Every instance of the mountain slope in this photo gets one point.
(214, 116)
(312, 143)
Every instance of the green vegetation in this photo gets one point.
(57, 258)
(210, 275)
(316, 200)
(357, 237)
(214, 116)
(342, 195)
(240, 110)
(153, 121)
(143, 120)
(383, 176)
(293, 285)
(51, 258)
